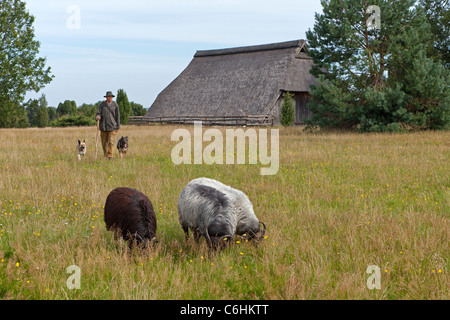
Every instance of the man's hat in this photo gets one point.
(109, 94)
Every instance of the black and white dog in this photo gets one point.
(122, 146)
(81, 149)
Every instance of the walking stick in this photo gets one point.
(96, 140)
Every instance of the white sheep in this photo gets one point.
(216, 211)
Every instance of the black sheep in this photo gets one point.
(130, 213)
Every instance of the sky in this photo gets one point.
(141, 46)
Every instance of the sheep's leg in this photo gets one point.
(197, 235)
(208, 240)
(186, 232)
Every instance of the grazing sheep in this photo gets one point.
(130, 213)
(216, 211)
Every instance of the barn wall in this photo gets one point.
(301, 110)
(276, 111)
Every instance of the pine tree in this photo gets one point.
(42, 117)
(35, 108)
(287, 111)
(124, 106)
(438, 16)
(51, 113)
(376, 79)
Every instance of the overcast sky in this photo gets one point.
(141, 46)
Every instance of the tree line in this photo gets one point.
(37, 113)
(391, 76)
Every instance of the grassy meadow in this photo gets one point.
(339, 203)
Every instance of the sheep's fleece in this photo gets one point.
(208, 205)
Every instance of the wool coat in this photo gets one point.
(109, 116)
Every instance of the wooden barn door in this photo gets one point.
(301, 111)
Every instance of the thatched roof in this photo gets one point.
(236, 81)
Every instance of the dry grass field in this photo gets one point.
(339, 203)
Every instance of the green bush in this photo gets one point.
(287, 111)
(73, 121)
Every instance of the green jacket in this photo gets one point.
(109, 116)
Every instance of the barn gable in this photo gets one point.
(238, 82)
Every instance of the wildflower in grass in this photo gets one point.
(17, 264)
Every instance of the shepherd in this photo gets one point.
(108, 116)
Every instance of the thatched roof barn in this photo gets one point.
(239, 82)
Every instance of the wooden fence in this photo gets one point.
(252, 120)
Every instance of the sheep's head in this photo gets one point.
(256, 234)
(221, 242)
(144, 242)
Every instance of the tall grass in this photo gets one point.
(339, 203)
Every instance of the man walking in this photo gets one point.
(109, 116)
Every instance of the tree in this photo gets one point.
(21, 70)
(438, 16)
(124, 106)
(137, 109)
(33, 106)
(67, 108)
(88, 110)
(287, 111)
(13, 115)
(376, 79)
(42, 117)
(51, 113)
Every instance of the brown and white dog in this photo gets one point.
(122, 146)
(81, 149)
